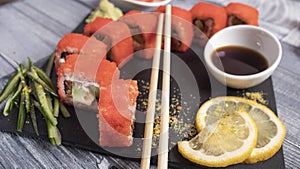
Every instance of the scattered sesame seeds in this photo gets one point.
(181, 120)
(256, 96)
(178, 108)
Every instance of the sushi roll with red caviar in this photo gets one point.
(73, 43)
(81, 77)
(143, 28)
(97, 24)
(239, 13)
(182, 28)
(116, 35)
(209, 19)
(117, 113)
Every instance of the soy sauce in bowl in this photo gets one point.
(238, 60)
(242, 70)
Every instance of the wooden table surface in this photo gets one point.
(33, 28)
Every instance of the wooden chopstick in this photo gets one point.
(147, 143)
(164, 124)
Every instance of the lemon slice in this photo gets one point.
(228, 139)
(271, 131)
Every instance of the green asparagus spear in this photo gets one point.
(22, 114)
(43, 76)
(35, 78)
(50, 64)
(10, 86)
(55, 107)
(64, 111)
(33, 119)
(44, 104)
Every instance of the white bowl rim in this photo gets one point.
(148, 4)
(267, 71)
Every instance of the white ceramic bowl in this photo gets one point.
(252, 37)
(126, 5)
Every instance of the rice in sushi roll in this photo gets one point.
(81, 77)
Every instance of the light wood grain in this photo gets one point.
(90, 3)
(163, 151)
(32, 28)
(286, 81)
(149, 123)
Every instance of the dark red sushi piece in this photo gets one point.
(116, 35)
(74, 43)
(182, 28)
(143, 27)
(97, 24)
(117, 113)
(239, 13)
(209, 19)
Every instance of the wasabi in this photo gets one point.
(105, 9)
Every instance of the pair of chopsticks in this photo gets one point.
(164, 131)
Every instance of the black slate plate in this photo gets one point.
(188, 73)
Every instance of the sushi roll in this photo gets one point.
(80, 78)
(209, 19)
(143, 27)
(116, 35)
(97, 24)
(73, 43)
(239, 13)
(182, 28)
(117, 113)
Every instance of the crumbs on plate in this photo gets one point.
(256, 96)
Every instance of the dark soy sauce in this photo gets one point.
(239, 60)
